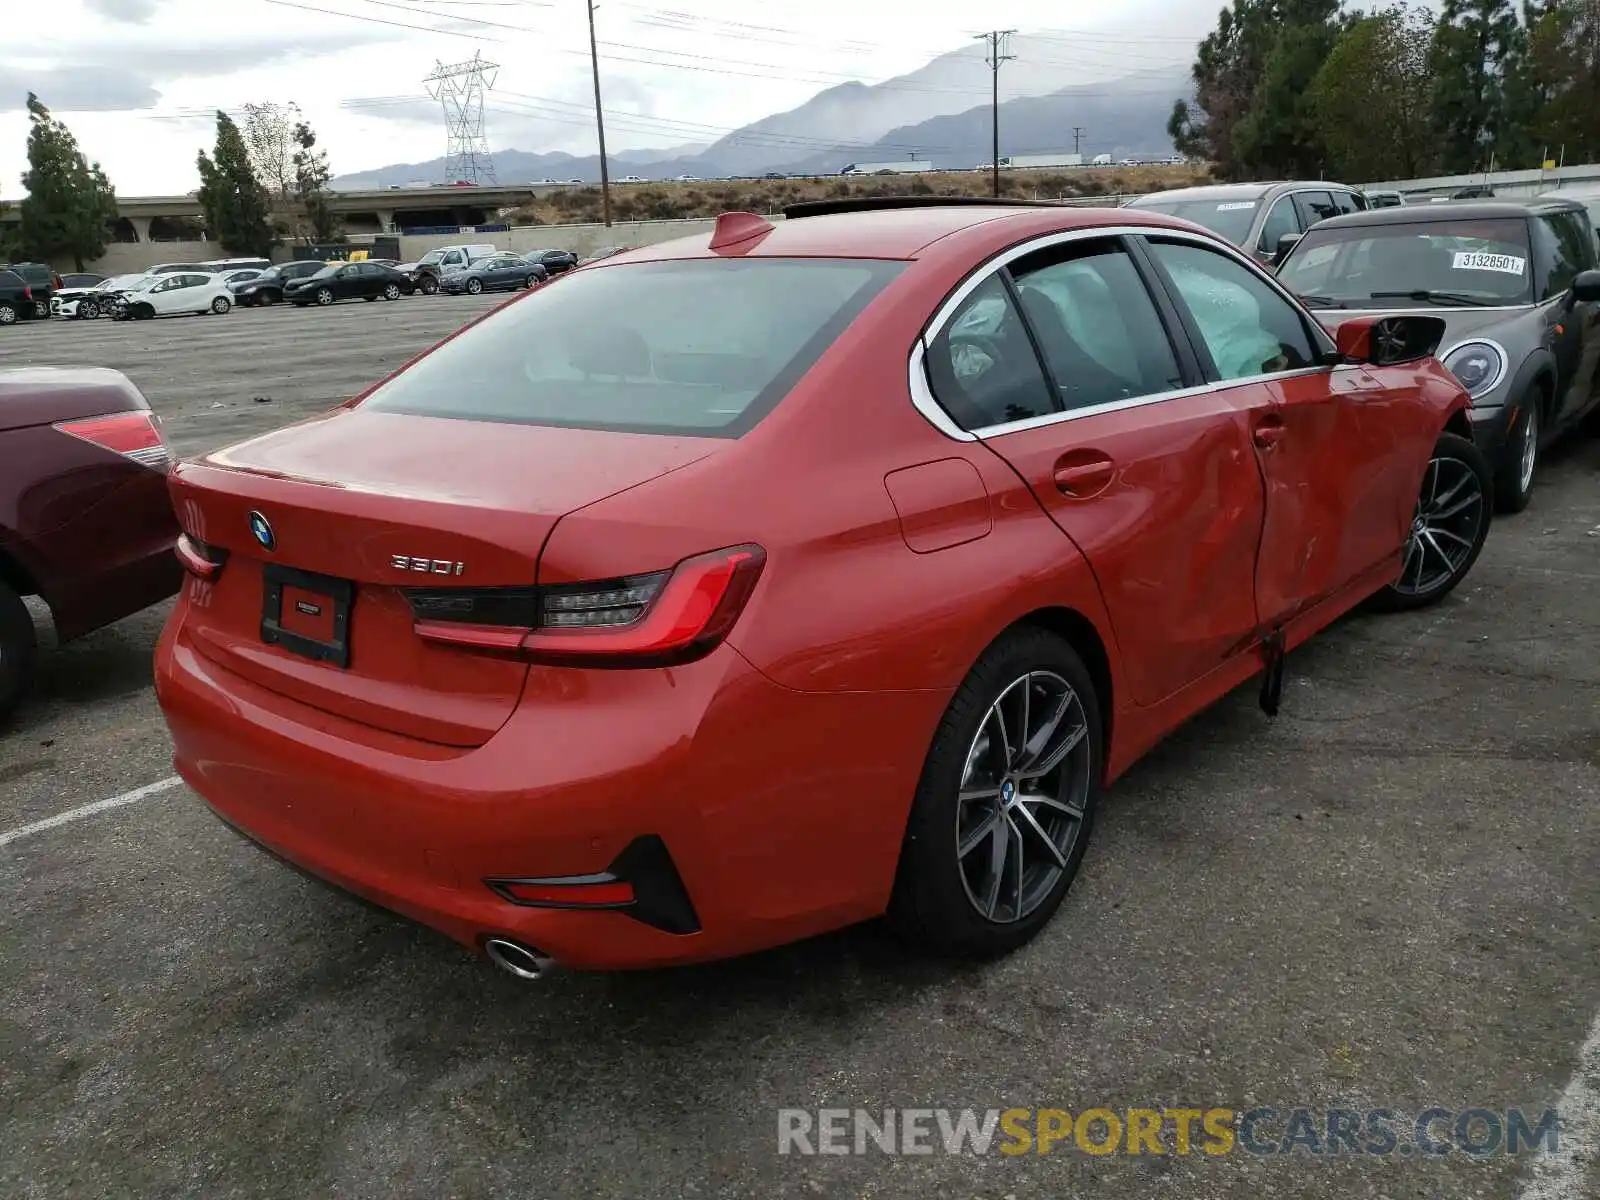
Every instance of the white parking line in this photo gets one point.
(89, 810)
(1568, 1173)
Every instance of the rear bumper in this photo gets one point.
(781, 812)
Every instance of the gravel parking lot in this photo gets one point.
(1386, 897)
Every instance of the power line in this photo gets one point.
(999, 40)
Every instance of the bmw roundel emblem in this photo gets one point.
(262, 528)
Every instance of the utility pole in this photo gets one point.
(599, 124)
(1077, 138)
(999, 42)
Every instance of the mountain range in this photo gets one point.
(927, 115)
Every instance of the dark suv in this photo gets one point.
(42, 278)
(17, 302)
(1257, 217)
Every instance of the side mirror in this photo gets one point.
(1586, 287)
(1388, 341)
(1285, 244)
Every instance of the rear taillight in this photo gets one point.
(27, 292)
(668, 616)
(199, 559)
(134, 435)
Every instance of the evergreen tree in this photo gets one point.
(311, 175)
(237, 207)
(70, 201)
(1557, 82)
(1251, 114)
(1371, 98)
(1473, 43)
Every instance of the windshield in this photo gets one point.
(430, 258)
(699, 347)
(1228, 218)
(1420, 263)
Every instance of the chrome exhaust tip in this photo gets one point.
(522, 961)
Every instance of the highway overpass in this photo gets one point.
(384, 210)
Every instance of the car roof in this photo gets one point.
(1241, 191)
(1454, 210)
(901, 233)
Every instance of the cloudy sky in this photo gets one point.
(138, 80)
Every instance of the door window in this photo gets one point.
(1314, 207)
(1564, 250)
(1280, 221)
(1246, 326)
(982, 367)
(1099, 331)
(1346, 202)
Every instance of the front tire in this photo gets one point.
(1005, 805)
(429, 285)
(474, 287)
(324, 297)
(88, 310)
(1513, 482)
(8, 313)
(1449, 528)
(18, 648)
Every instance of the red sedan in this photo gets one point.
(86, 521)
(757, 584)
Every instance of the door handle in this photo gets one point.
(1268, 436)
(1083, 473)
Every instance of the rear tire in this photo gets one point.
(1513, 482)
(221, 305)
(992, 845)
(18, 648)
(1452, 520)
(392, 292)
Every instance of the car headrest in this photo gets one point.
(618, 350)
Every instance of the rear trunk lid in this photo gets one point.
(371, 503)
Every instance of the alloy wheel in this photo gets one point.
(1530, 449)
(324, 296)
(1024, 792)
(1449, 517)
(392, 292)
(8, 315)
(474, 286)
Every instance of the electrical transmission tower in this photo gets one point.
(461, 87)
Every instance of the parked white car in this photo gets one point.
(177, 294)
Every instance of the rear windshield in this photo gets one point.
(700, 346)
(1227, 218)
(1473, 261)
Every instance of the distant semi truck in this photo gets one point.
(909, 166)
(1027, 162)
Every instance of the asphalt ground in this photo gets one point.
(1388, 897)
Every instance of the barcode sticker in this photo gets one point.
(1478, 260)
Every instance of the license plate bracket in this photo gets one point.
(340, 593)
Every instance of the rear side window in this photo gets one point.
(1315, 206)
(698, 346)
(982, 367)
(1347, 202)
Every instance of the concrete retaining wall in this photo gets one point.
(579, 238)
(126, 258)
